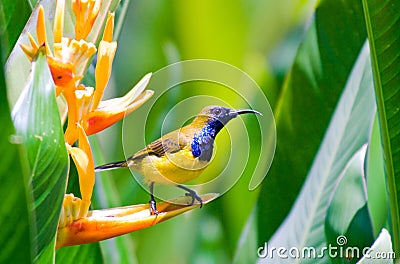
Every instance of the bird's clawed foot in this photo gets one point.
(153, 207)
(152, 202)
(192, 194)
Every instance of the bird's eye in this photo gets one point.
(217, 111)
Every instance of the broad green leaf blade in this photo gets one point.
(47, 254)
(12, 25)
(89, 253)
(376, 183)
(382, 19)
(347, 222)
(381, 251)
(306, 103)
(14, 191)
(38, 125)
(348, 130)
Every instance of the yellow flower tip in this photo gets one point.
(111, 111)
(41, 30)
(134, 95)
(70, 210)
(40, 26)
(105, 55)
(86, 12)
(105, 117)
(29, 51)
(84, 208)
(83, 160)
(84, 99)
(109, 29)
(71, 133)
(32, 41)
(80, 158)
(85, 166)
(104, 224)
(32, 53)
(41, 36)
(59, 21)
(62, 73)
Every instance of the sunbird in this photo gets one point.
(181, 155)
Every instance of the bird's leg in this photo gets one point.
(192, 194)
(152, 202)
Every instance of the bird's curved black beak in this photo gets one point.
(235, 113)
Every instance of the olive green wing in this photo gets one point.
(170, 143)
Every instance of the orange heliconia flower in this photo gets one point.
(87, 114)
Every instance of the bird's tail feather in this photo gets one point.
(111, 166)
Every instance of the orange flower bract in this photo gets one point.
(87, 114)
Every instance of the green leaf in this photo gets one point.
(306, 103)
(359, 233)
(347, 214)
(376, 184)
(88, 253)
(12, 25)
(382, 18)
(14, 192)
(47, 254)
(38, 125)
(348, 130)
(381, 247)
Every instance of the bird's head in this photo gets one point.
(219, 115)
(207, 124)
